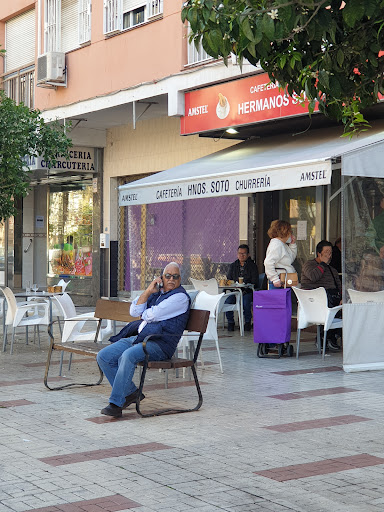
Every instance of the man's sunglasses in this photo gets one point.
(171, 276)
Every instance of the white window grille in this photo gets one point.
(52, 26)
(85, 7)
(196, 55)
(112, 16)
(154, 8)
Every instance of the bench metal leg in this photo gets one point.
(166, 411)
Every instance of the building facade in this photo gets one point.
(141, 104)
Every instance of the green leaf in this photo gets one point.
(192, 18)
(251, 48)
(370, 7)
(258, 33)
(353, 11)
(324, 79)
(340, 57)
(268, 27)
(246, 28)
(334, 86)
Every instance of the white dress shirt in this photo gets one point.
(174, 305)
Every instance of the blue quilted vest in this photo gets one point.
(164, 328)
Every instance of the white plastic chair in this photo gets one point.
(17, 316)
(313, 310)
(210, 303)
(63, 284)
(210, 286)
(73, 324)
(364, 297)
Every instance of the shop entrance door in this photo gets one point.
(303, 209)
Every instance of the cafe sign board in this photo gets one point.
(246, 101)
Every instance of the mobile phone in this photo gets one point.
(159, 285)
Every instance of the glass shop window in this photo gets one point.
(70, 231)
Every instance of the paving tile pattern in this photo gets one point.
(120, 451)
(311, 370)
(318, 423)
(322, 467)
(313, 393)
(15, 403)
(106, 504)
(243, 451)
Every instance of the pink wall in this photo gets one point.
(143, 54)
(9, 9)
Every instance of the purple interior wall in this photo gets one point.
(197, 234)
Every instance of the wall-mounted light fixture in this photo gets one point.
(231, 131)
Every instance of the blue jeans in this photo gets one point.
(118, 363)
(247, 308)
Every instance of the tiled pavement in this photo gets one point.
(272, 435)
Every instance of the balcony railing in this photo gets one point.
(19, 85)
(154, 8)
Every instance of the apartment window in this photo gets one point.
(124, 14)
(85, 7)
(52, 25)
(112, 16)
(20, 36)
(134, 17)
(196, 55)
(154, 8)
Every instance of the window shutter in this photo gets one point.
(130, 5)
(85, 7)
(69, 25)
(112, 16)
(20, 41)
(52, 26)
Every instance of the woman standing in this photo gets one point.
(281, 252)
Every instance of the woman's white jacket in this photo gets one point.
(279, 258)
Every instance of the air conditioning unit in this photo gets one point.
(51, 68)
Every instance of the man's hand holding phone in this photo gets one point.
(154, 287)
(156, 284)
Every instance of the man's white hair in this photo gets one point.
(172, 264)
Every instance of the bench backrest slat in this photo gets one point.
(197, 321)
(114, 310)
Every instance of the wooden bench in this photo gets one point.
(119, 311)
(196, 327)
(105, 310)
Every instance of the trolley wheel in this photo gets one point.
(262, 350)
(290, 351)
(281, 349)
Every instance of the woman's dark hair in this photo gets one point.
(279, 229)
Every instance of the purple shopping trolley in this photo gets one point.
(272, 312)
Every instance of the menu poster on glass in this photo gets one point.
(70, 232)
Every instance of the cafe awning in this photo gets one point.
(259, 165)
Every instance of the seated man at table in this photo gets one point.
(244, 267)
(319, 272)
(164, 311)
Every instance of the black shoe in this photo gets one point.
(333, 345)
(130, 399)
(248, 326)
(112, 410)
(231, 327)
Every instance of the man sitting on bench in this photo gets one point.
(164, 310)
